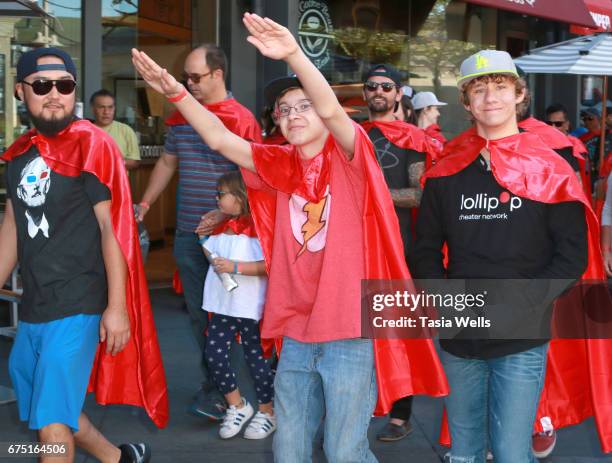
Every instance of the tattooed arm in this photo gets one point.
(411, 196)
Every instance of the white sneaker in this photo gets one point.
(261, 426)
(235, 418)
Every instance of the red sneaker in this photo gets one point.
(543, 443)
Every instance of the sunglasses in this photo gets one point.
(556, 123)
(371, 86)
(220, 194)
(587, 118)
(42, 87)
(195, 78)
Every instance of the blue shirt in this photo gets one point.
(199, 168)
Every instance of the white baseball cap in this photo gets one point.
(407, 90)
(424, 99)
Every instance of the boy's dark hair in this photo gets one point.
(215, 57)
(406, 103)
(234, 183)
(555, 108)
(101, 92)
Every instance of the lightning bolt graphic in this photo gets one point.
(314, 223)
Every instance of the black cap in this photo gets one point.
(27, 62)
(277, 86)
(590, 112)
(385, 70)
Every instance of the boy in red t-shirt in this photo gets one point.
(314, 201)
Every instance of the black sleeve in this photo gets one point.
(568, 231)
(568, 155)
(96, 191)
(426, 259)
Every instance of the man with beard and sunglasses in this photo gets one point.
(199, 168)
(85, 306)
(401, 149)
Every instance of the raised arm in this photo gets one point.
(276, 42)
(208, 126)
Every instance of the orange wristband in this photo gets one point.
(179, 97)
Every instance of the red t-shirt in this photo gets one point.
(317, 260)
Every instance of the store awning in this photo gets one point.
(591, 55)
(567, 11)
(601, 11)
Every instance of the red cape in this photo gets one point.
(242, 225)
(578, 377)
(136, 375)
(408, 137)
(403, 367)
(234, 116)
(555, 139)
(434, 131)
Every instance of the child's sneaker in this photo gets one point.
(235, 418)
(261, 426)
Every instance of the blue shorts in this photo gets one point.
(50, 365)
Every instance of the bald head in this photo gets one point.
(204, 73)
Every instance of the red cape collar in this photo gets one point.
(242, 225)
(232, 114)
(402, 134)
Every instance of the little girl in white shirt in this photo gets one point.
(237, 311)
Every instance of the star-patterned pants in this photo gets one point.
(222, 331)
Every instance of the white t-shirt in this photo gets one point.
(247, 300)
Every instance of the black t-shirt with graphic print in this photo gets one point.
(395, 162)
(492, 234)
(58, 240)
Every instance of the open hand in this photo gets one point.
(157, 77)
(271, 39)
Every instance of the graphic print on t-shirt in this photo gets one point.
(309, 221)
(483, 206)
(34, 184)
(385, 153)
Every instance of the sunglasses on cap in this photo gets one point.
(556, 123)
(195, 78)
(372, 86)
(42, 87)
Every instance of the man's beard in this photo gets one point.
(379, 106)
(50, 127)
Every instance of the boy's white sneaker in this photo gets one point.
(235, 418)
(261, 426)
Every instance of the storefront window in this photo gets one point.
(119, 36)
(425, 39)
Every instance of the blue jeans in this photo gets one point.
(502, 393)
(335, 380)
(192, 266)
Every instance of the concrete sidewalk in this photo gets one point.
(192, 439)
